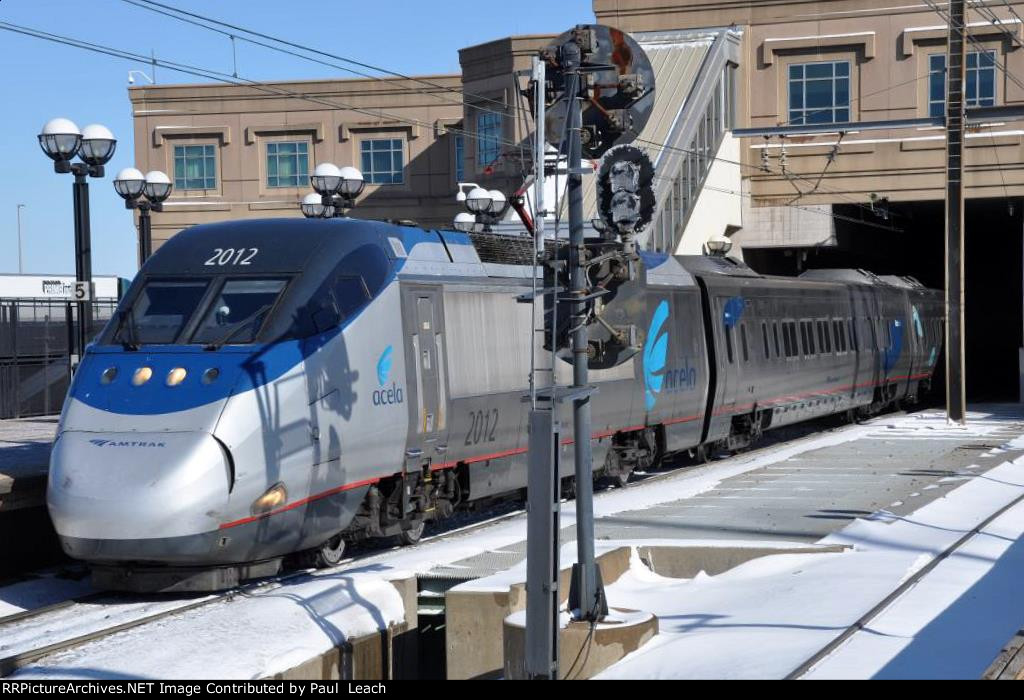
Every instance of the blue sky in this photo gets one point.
(40, 80)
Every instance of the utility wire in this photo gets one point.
(966, 35)
(227, 78)
(166, 10)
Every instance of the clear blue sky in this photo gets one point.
(40, 80)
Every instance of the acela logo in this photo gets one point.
(126, 443)
(386, 395)
(655, 354)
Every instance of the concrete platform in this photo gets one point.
(25, 461)
(797, 492)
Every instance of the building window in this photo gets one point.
(383, 161)
(287, 164)
(460, 148)
(981, 81)
(195, 167)
(488, 137)
(819, 93)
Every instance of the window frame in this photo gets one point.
(181, 187)
(488, 148)
(302, 180)
(799, 115)
(931, 101)
(369, 173)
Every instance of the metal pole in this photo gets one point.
(543, 509)
(145, 234)
(83, 258)
(956, 398)
(20, 266)
(586, 584)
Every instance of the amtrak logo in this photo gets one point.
(126, 443)
(655, 354)
(386, 395)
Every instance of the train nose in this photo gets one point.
(117, 486)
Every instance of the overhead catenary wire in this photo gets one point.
(212, 74)
(966, 35)
(198, 19)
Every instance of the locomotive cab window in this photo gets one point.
(160, 311)
(239, 310)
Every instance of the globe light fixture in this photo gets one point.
(464, 221)
(718, 245)
(478, 201)
(60, 139)
(129, 183)
(352, 182)
(312, 207)
(97, 145)
(498, 203)
(158, 186)
(326, 179)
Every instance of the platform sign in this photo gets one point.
(84, 291)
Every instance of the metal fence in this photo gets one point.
(35, 366)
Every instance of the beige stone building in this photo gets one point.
(859, 198)
(247, 151)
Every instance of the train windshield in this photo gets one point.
(238, 311)
(160, 312)
(166, 311)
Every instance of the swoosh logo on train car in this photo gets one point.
(384, 366)
(655, 354)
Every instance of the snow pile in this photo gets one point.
(247, 637)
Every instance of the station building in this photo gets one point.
(871, 199)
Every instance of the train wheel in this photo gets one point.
(330, 553)
(412, 535)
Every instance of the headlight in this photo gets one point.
(274, 497)
(176, 376)
(142, 375)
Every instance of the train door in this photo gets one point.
(426, 346)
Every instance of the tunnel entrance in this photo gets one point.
(909, 240)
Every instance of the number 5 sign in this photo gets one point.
(83, 291)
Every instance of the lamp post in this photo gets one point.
(486, 208)
(337, 188)
(94, 145)
(145, 193)
(20, 268)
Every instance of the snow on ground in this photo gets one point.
(766, 617)
(246, 637)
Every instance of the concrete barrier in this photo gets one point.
(388, 654)
(584, 650)
(476, 611)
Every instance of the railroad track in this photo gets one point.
(868, 617)
(101, 614)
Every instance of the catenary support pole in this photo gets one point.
(956, 399)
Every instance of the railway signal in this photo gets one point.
(598, 94)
